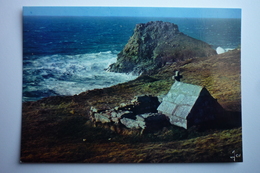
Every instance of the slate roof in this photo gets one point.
(180, 99)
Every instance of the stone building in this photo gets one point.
(186, 105)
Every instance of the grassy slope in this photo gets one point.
(54, 128)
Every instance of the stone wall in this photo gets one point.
(140, 115)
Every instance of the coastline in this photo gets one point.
(61, 121)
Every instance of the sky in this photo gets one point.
(134, 12)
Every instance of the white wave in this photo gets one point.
(72, 74)
(221, 50)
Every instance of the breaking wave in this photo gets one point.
(221, 50)
(68, 74)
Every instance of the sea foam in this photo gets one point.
(221, 50)
(69, 74)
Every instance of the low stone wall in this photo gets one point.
(139, 116)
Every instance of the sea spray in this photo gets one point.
(69, 74)
(221, 50)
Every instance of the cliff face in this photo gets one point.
(156, 44)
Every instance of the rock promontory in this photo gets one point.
(156, 44)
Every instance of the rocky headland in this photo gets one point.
(156, 44)
(116, 124)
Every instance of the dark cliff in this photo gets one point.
(156, 44)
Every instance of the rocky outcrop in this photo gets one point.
(156, 44)
(141, 115)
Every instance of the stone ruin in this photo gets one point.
(185, 105)
(140, 115)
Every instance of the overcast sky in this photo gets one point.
(134, 12)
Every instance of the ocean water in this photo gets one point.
(69, 55)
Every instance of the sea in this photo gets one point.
(65, 56)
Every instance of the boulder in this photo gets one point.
(156, 44)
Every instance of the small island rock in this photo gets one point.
(156, 44)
